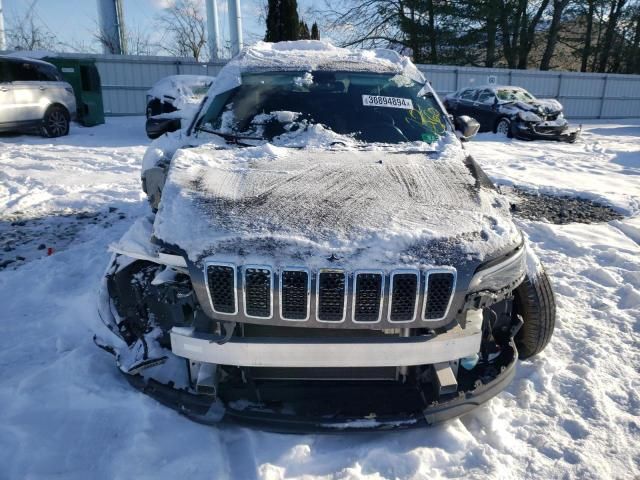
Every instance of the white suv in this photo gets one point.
(33, 96)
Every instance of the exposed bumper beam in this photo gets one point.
(331, 352)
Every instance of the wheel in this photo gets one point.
(535, 302)
(503, 128)
(55, 122)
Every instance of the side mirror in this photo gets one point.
(466, 127)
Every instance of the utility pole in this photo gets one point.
(213, 35)
(112, 32)
(3, 38)
(235, 26)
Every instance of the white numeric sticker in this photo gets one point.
(391, 102)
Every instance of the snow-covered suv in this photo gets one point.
(33, 96)
(322, 253)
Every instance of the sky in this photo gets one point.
(61, 16)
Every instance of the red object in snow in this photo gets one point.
(50, 251)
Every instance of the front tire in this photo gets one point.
(535, 302)
(55, 122)
(503, 128)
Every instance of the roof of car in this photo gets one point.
(492, 87)
(314, 55)
(13, 57)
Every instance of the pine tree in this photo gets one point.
(315, 32)
(282, 21)
(303, 32)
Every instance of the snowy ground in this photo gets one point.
(573, 412)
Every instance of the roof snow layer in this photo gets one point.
(307, 56)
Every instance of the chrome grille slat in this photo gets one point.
(329, 295)
(295, 290)
(368, 290)
(258, 288)
(222, 283)
(439, 287)
(403, 295)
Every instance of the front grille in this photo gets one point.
(404, 290)
(331, 296)
(368, 297)
(257, 292)
(221, 282)
(438, 295)
(294, 294)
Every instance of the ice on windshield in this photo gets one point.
(514, 95)
(371, 108)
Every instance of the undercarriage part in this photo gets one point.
(445, 378)
(207, 379)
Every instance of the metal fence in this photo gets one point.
(126, 78)
(584, 95)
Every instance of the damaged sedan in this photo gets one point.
(513, 112)
(321, 253)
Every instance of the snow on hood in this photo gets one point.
(182, 89)
(270, 204)
(545, 106)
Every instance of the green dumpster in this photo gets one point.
(83, 76)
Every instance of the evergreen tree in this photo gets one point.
(282, 21)
(303, 32)
(315, 32)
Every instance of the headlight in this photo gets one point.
(500, 276)
(529, 117)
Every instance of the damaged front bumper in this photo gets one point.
(187, 378)
(544, 131)
(285, 418)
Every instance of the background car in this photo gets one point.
(173, 99)
(513, 112)
(34, 97)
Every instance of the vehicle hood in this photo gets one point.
(540, 106)
(358, 208)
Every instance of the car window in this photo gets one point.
(4, 72)
(24, 72)
(486, 96)
(48, 74)
(468, 94)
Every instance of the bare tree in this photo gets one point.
(26, 33)
(184, 23)
(139, 42)
(552, 35)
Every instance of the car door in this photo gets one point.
(8, 112)
(29, 94)
(484, 109)
(465, 102)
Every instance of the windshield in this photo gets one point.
(514, 95)
(368, 107)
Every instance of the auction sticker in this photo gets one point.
(392, 102)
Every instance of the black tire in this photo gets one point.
(534, 300)
(55, 122)
(508, 131)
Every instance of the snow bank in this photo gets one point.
(571, 413)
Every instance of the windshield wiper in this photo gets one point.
(231, 136)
